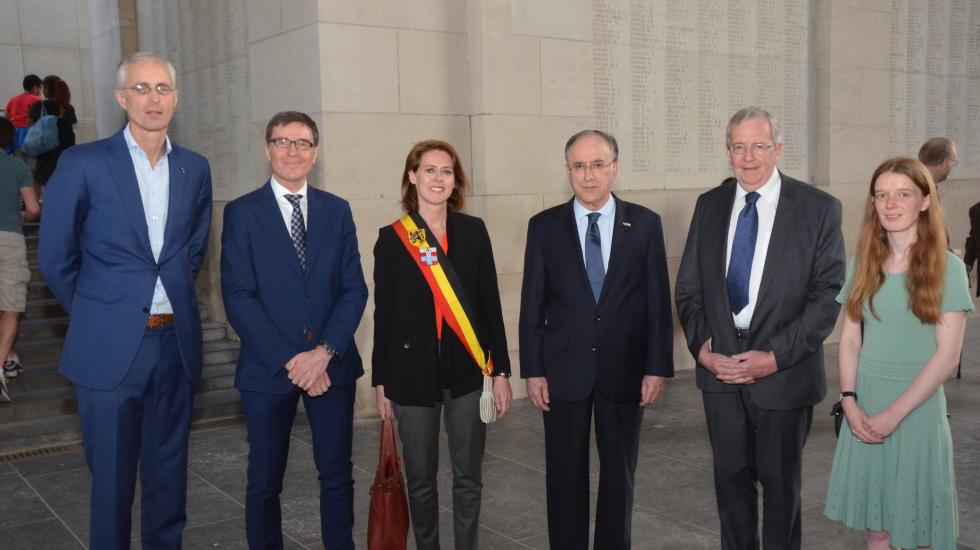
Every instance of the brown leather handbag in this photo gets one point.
(388, 516)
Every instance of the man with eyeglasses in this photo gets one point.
(123, 236)
(294, 292)
(762, 266)
(596, 337)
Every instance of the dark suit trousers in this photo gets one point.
(749, 445)
(269, 418)
(141, 424)
(567, 430)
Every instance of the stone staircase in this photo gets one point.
(43, 412)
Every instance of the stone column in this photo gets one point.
(113, 31)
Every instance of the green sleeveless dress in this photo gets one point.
(906, 485)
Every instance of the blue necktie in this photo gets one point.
(743, 248)
(593, 255)
(297, 229)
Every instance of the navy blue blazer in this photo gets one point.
(277, 308)
(95, 255)
(578, 344)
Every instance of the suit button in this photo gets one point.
(407, 345)
(307, 295)
(158, 268)
(597, 318)
(595, 348)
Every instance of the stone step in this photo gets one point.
(59, 397)
(39, 404)
(39, 308)
(37, 376)
(42, 376)
(38, 289)
(56, 327)
(43, 308)
(64, 429)
(47, 350)
(42, 328)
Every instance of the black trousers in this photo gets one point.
(752, 445)
(567, 430)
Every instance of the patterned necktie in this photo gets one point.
(297, 229)
(743, 248)
(593, 256)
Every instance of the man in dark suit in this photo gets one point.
(294, 292)
(972, 241)
(124, 232)
(755, 293)
(596, 335)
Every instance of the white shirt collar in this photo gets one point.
(131, 142)
(771, 187)
(607, 209)
(280, 191)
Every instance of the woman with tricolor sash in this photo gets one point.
(439, 342)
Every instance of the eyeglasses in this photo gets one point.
(596, 165)
(739, 149)
(142, 88)
(284, 143)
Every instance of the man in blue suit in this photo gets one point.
(124, 232)
(294, 292)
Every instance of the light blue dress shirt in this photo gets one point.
(606, 224)
(154, 184)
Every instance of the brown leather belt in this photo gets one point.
(159, 320)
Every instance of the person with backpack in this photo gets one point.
(17, 109)
(57, 103)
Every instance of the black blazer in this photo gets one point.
(796, 309)
(405, 357)
(973, 240)
(580, 345)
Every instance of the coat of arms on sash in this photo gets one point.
(417, 237)
(428, 256)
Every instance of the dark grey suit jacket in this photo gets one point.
(795, 310)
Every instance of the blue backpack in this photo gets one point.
(42, 136)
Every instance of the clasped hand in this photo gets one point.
(308, 371)
(741, 368)
(869, 429)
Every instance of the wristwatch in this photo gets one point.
(844, 394)
(327, 348)
(502, 374)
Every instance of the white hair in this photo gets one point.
(139, 57)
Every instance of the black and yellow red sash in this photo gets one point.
(444, 283)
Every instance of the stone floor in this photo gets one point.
(43, 501)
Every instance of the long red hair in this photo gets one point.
(927, 256)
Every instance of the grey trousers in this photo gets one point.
(418, 429)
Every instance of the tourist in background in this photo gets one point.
(58, 103)
(15, 186)
(17, 109)
(893, 468)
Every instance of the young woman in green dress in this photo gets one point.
(893, 467)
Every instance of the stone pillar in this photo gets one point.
(113, 36)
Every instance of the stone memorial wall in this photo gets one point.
(507, 81)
